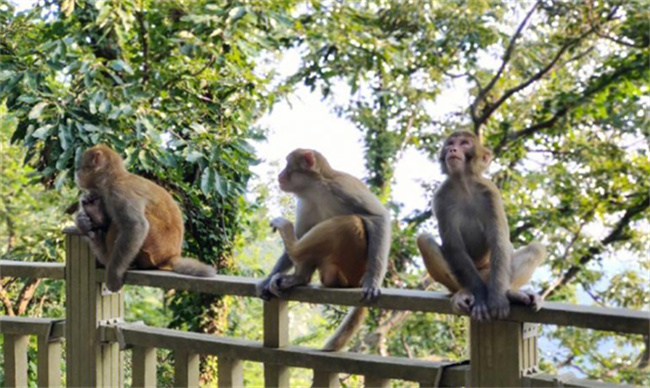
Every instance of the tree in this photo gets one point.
(555, 88)
(172, 86)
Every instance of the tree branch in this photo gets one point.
(6, 302)
(607, 79)
(26, 295)
(144, 42)
(506, 58)
(617, 234)
(491, 108)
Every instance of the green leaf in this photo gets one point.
(120, 65)
(208, 178)
(221, 185)
(145, 159)
(61, 178)
(198, 128)
(43, 132)
(36, 111)
(193, 156)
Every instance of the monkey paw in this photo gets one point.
(84, 223)
(279, 283)
(114, 281)
(499, 305)
(462, 301)
(368, 294)
(281, 224)
(262, 289)
(526, 297)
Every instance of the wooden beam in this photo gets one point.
(562, 314)
(144, 367)
(276, 335)
(186, 369)
(49, 362)
(90, 363)
(230, 373)
(54, 328)
(295, 356)
(15, 363)
(31, 269)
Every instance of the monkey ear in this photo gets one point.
(486, 158)
(308, 160)
(98, 159)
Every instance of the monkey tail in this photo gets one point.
(192, 267)
(351, 323)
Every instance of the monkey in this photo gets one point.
(341, 229)
(145, 224)
(91, 217)
(476, 261)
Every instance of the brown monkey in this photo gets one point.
(342, 229)
(145, 223)
(476, 261)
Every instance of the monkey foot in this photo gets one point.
(280, 283)
(462, 301)
(525, 297)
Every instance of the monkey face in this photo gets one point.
(462, 153)
(299, 172)
(458, 150)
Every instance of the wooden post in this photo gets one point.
(230, 373)
(186, 373)
(15, 364)
(371, 382)
(325, 379)
(90, 363)
(144, 367)
(49, 361)
(501, 353)
(276, 335)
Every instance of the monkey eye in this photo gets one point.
(464, 142)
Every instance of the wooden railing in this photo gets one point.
(502, 353)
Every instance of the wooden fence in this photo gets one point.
(502, 353)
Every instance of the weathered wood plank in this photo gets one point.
(546, 380)
(374, 382)
(563, 314)
(15, 356)
(186, 369)
(230, 373)
(326, 379)
(31, 269)
(144, 367)
(276, 335)
(89, 362)
(32, 326)
(295, 356)
(49, 362)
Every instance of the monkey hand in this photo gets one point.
(498, 304)
(368, 294)
(262, 289)
(281, 224)
(84, 223)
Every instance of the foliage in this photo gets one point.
(557, 88)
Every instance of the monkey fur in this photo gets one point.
(130, 220)
(476, 261)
